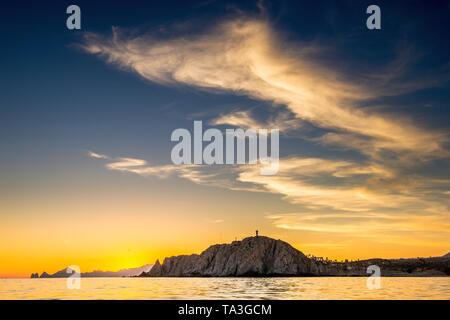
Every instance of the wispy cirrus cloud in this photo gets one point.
(138, 166)
(348, 186)
(223, 176)
(244, 119)
(337, 196)
(215, 221)
(242, 56)
(383, 227)
(97, 155)
(315, 183)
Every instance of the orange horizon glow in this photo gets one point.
(113, 261)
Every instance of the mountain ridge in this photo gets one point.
(130, 272)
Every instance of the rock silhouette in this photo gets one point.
(253, 256)
(265, 257)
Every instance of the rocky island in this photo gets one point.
(266, 257)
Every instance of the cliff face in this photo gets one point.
(263, 256)
(253, 256)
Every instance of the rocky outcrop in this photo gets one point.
(253, 256)
(155, 271)
(34, 275)
(263, 256)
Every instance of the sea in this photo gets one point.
(298, 288)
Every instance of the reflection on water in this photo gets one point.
(227, 288)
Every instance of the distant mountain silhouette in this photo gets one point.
(263, 256)
(121, 273)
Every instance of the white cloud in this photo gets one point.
(214, 220)
(97, 155)
(243, 57)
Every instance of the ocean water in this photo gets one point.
(228, 288)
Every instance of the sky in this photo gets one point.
(86, 117)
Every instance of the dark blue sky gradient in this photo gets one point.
(57, 102)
